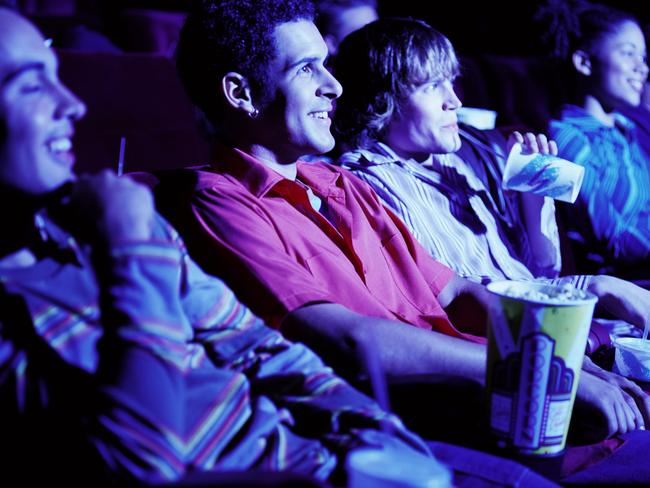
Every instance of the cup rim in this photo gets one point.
(367, 459)
(629, 343)
(497, 288)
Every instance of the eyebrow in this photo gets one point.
(308, 60)
(13, 74)
(629, 44)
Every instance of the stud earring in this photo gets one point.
(254, 114)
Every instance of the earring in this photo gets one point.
(254, 114)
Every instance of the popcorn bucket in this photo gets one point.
(536, 344)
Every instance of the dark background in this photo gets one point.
(474, 27)
(497, 27)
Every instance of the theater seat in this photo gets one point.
(146, 30)
(522, 90)
(138, 97)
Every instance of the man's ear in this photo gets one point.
(581, 62)
(238, 92)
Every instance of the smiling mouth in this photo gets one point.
(637, 85)
(324, 115)
(61, 149)
(59, 145)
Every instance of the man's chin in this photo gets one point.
(321, 147)
(451, 147)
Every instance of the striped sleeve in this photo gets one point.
(137, 428)
(290, 374)
(322, 404)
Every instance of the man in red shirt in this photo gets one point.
(309, 246)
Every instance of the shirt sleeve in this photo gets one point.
(232, 237)
(320, 403)
(119, 419)
(145, 332)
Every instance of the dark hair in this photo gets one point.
(12, 6)
(232, 35)
(378, 66)
(578, 25)
(329, 11)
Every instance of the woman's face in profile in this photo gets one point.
(618, 66)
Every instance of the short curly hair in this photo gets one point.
(378, 66)
(232, 35)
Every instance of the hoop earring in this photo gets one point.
(254, 114)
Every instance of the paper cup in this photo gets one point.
(480, 118)
(542, 174)
(379, 468)
(536, 345)
(632, 358)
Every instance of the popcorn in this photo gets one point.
(562, 293)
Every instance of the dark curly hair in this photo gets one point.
(378, 66)
(232, 35)
(578, 25)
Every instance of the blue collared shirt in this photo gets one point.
(612, 213)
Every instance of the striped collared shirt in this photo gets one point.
(464, 222)
(208, 386)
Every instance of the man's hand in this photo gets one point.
(640, 397)
(608, 404)
(106, 209)
(532, 143)
(624, 300)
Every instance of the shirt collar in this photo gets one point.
(55, 241)
(259, 179)
(376, 155)
(576, 115)
(322, 178)
(381, 154)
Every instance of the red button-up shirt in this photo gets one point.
(258, 231)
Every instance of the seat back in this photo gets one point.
(138, 97)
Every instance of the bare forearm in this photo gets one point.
(458, 286)
(539, 222)
(337, 334)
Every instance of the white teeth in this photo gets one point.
(637, 85)
(60, 145)
(319, 115)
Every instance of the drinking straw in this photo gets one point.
(481, 144)
(120, 161)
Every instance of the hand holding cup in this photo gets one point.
(533, 166)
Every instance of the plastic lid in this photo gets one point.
(379, 468)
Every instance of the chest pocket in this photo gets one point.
(402, 286)
(325, 263)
